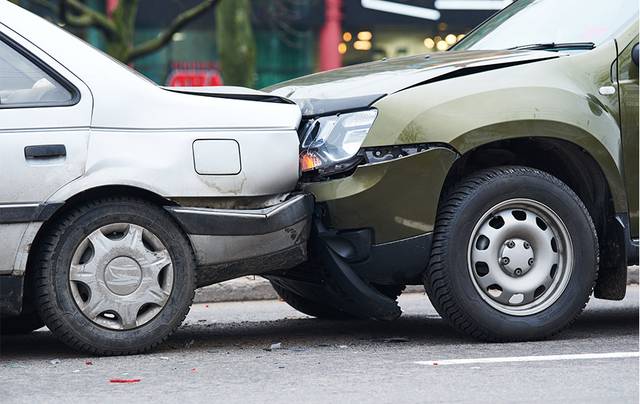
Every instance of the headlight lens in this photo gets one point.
(330, 144)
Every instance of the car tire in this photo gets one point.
(114, 276)
(308, 306)
(322, 310)
(25, 323)
(540, 248)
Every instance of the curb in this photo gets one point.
(256, 288)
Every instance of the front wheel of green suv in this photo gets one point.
(514, 255)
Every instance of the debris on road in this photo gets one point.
(88, 363)
(275, 346)
(125, 380)
(54, 361)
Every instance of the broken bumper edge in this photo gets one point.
(232, 243)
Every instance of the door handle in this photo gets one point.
(47, 151)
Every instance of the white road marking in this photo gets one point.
(542, 358)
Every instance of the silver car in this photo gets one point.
(120, 197)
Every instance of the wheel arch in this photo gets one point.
(31, 242)
(582, 172)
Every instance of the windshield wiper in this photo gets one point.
(552, 46)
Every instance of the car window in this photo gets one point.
(23, 83)
(528, 22)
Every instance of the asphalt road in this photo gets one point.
(219, 356)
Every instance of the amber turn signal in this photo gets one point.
(309, 162)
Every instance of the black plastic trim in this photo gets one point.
(398, 262)
(45, 151)
(26, 213)
(230, 222)
(11, 289)
(274, 99)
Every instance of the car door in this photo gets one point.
(629, 110)
(45, 113)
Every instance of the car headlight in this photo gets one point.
(331, 144)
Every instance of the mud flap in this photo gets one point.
(11, 289)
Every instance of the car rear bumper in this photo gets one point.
(230, 243)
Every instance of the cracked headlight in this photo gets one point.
(331, 144)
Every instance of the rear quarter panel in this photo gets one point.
(163, 162)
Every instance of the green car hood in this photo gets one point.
(359, 86)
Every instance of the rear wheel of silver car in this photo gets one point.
(115, 276)
(514, 255)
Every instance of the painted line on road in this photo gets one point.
(542, 358)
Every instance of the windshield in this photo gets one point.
(528, 22)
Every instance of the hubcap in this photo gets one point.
(520, 257)
(121, 276)
(516, 257)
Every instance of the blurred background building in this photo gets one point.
(291, 37)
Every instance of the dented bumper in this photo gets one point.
(229, 243)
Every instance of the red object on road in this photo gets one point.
(125, 380)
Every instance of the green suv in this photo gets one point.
(502, 174)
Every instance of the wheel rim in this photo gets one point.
(520, 257)
(121, 276)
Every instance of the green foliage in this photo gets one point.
(236, 43)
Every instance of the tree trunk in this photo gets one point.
(236, 43)
(119, 44)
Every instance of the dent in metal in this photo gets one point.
(24, 248)
(10, 238)
(552, 98)
(256, 202)
(221, 258)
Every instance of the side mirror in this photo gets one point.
(634, 54)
